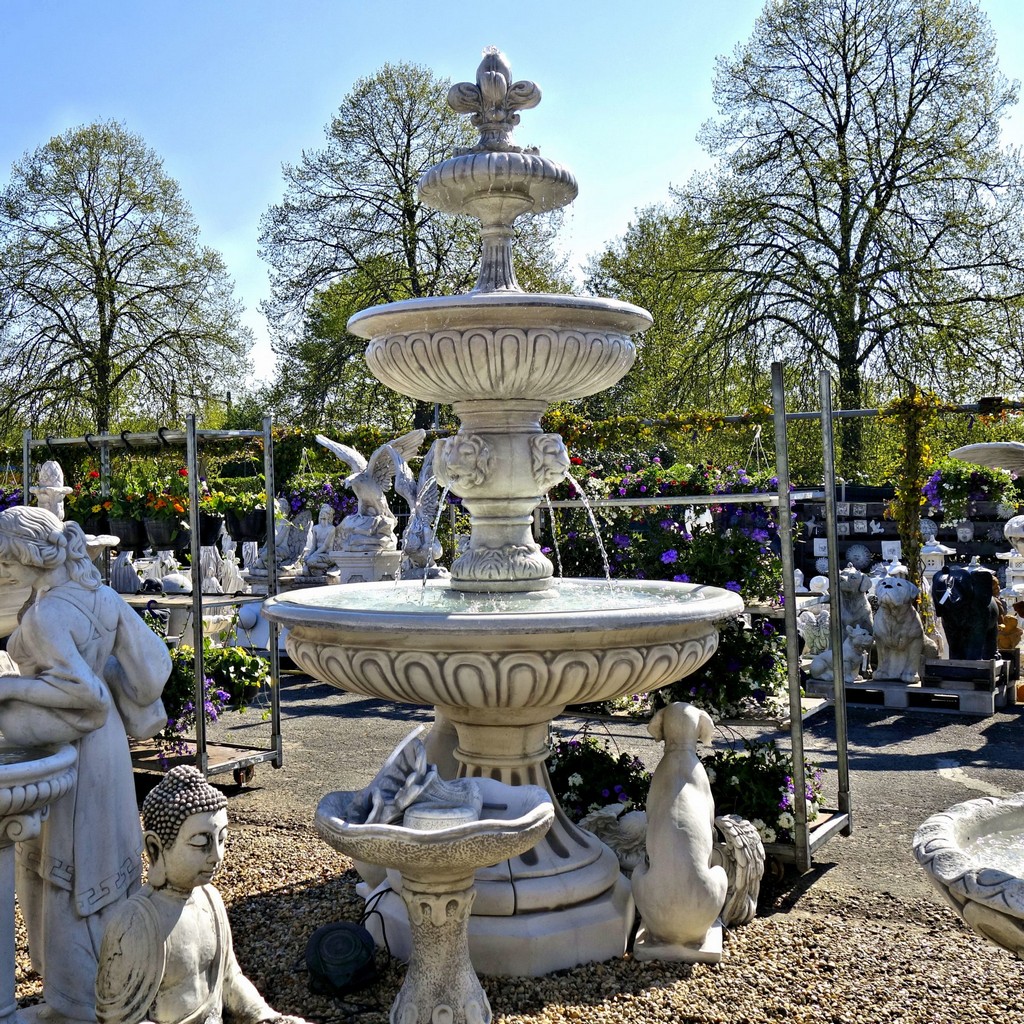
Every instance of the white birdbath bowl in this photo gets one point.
(437, 869)
(31, 778)
(974, 855)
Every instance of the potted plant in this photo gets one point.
(210, 516)
(166, 511)
(955, 488)
(84, 504)
(245, 516)
(126, 511)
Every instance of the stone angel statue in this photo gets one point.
(420, 547)
(372, 526)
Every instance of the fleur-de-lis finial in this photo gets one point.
(493, 102)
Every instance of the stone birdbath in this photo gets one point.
(437, 852)
(31, 778)
(503, 646)
(973, 854)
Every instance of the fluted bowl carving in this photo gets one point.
(537, 653)
(30, 779)
(511, 346)
(966, 853)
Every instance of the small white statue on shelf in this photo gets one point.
(856, 644)
(679, 890)
(51, 491)
(167, 955)
(322, 541)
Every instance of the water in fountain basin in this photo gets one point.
(1001, 850)
(581, 494)
(436, 597)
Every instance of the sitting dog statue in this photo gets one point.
(899, 634)
(964, 599)
(679, 891)
(854, 608)
(856, 644)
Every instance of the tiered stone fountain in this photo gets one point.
(502, 647)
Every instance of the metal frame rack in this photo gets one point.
(807, 841)
(238, 759)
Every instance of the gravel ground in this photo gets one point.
(812, 956)
(861, 938)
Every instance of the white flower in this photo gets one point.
(812, 810)
(711, 775)
(733, 780)
(767, 834)
(758, 824)
(786, 820)
(575, 780)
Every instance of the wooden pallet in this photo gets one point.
(918, 696)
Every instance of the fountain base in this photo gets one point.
(521, 945)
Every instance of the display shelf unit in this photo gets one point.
(223, 757)
(808, 837)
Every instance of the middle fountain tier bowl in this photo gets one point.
(500, 668)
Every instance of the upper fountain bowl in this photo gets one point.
(504, 345)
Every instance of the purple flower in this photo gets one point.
(670, 556)
(733, 586)
(681, 578)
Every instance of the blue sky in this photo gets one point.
(225, 91)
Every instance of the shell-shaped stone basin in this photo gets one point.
(974, 855)
(500, 345)
(513, 819)
(31, 778)
(582, 640)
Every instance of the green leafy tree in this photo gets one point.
(689, 358)
(351, 232)
(862, 201)
(109, 306)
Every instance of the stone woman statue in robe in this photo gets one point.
(167, 955)
(90, 672)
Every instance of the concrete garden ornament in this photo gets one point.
(90, 673)
(501, 647)
(898, 631)
(167, 954)
(679, 890)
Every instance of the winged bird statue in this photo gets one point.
(372, 526)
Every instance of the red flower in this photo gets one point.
(94, 474)
(575, 461)
(183, 471)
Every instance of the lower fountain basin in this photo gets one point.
(31, 778)
(583, 640)
(974, 854)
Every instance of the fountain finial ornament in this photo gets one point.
(493, 102)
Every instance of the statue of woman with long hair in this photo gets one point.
(89, 672)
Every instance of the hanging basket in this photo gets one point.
(163, 534)
(251, 526)
(131, 533)
(210, 527)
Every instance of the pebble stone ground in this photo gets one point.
(861, 938)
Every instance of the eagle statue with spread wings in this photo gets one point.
(372, 526)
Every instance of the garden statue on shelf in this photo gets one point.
(679, 891)
(899, 633)
(965, 602)
(167, 954)
(854, 587)
(372, 526)
(856, 644)
(230, 576)
(420, 546)
(90, 672)
(124, 577)
(289, 540)
(317, 557)
(1010, 633)
(813, 626)
(51, 491)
